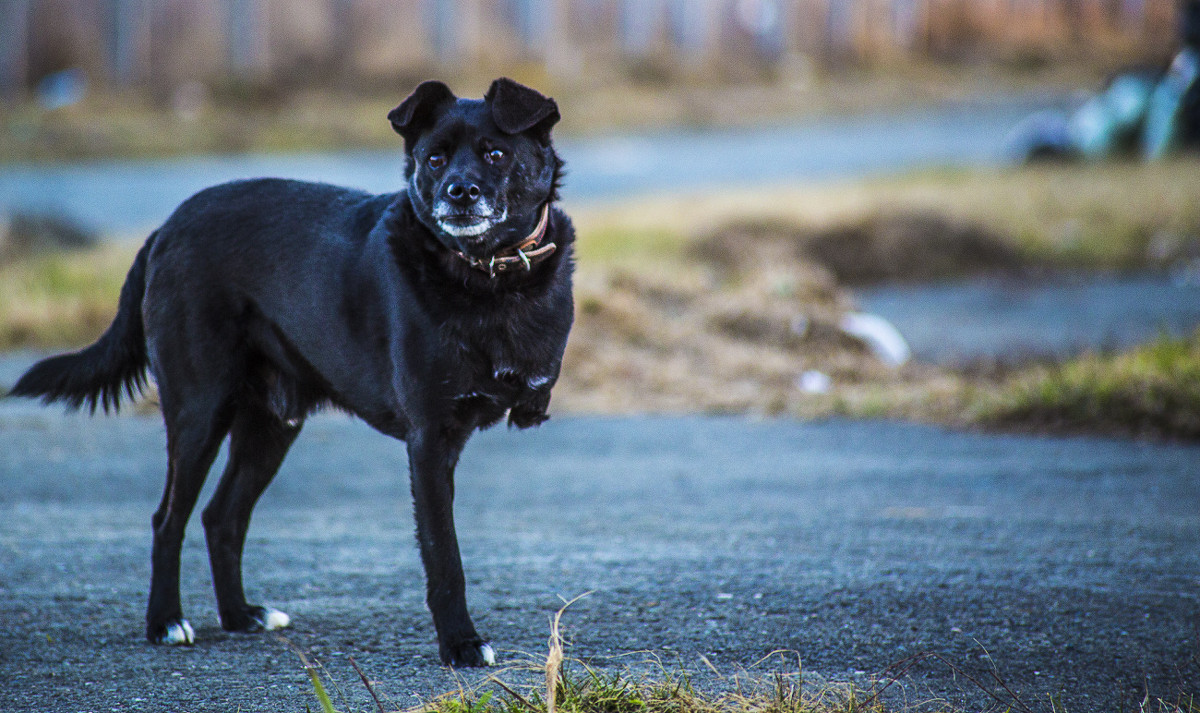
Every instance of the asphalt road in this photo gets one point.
(1069, 566)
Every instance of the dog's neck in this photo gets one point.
(525, 254)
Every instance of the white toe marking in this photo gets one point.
(275, 619)
(489, 656)
(178, 634)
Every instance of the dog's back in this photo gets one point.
(273, 272)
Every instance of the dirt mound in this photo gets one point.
(896, 247)
(684, 339)
(24, 234)
(736, 326)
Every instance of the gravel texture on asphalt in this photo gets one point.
(1071, 567)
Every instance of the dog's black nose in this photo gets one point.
(463, 192)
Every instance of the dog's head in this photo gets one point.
(479, 171)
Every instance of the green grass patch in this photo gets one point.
(1153, 390)
(61, 298)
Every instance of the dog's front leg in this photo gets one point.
(432, 457)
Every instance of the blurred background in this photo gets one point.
(631, 61)
(976, 212)
(274, 46)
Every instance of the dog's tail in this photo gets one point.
(96, 375)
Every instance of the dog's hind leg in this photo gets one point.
(258, 442)
(194, 433)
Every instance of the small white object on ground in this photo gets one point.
(814, 382)
(885, 341)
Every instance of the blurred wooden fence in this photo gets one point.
(129, 42)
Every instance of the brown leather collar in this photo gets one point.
(526, 253)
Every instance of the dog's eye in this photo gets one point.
(436, 161)
(494, 156)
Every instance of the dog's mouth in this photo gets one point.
(468, 224)
(465, 226)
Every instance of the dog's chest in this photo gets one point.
(501, 364)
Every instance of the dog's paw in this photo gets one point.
(474, 653)
(254, 619)
(177, 632)
(526, 418)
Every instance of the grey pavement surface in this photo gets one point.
(133, 196)
(1071, 566)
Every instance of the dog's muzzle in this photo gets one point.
(467, 224)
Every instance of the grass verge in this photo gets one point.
(1153, 390)
(232, 118)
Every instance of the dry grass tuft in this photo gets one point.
(572, 686)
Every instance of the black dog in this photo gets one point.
(428, 313)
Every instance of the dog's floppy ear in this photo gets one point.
(414, 113)
(516, 108)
